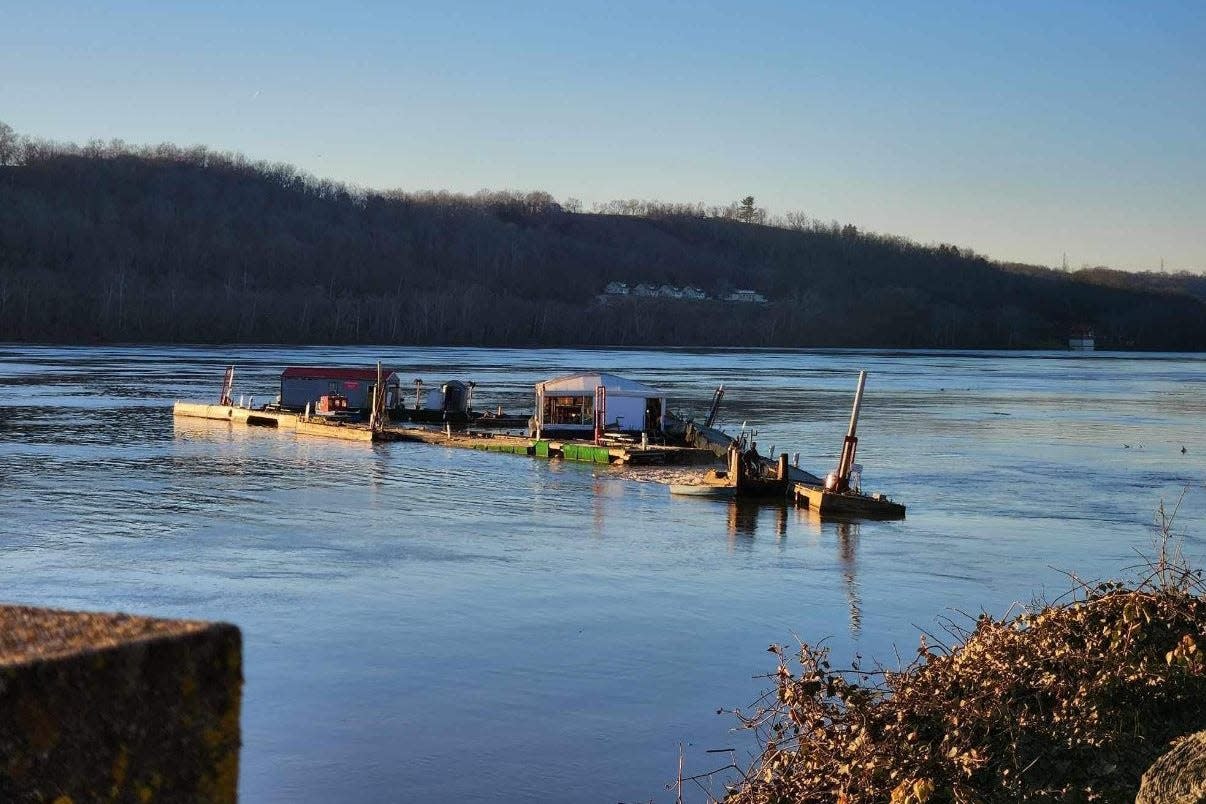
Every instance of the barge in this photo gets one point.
(841, 494)
(588, 417)
(367, 405)
(320, 426)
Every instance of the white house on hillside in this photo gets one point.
(747, 296)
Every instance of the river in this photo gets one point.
(427, 624)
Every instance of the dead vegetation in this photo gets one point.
(1067, 701)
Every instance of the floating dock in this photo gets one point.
(569, 450)
(582, 451)
(747, 474)
(691, 444)
(312, 426)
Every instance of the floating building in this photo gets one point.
(577, 403)
(303, 385)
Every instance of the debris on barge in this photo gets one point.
(751, 476)
(746, 477)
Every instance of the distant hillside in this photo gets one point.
(109, 243)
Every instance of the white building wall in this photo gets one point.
(629, 410)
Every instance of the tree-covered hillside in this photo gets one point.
(111, 243)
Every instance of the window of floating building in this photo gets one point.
(569, 409)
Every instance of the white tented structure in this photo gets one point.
(569, 404)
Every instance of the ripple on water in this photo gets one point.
(577, 620)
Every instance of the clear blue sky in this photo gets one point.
(1020, 129)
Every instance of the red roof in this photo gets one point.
(328, 373)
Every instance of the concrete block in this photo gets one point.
(110, 707)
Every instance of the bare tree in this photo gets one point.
(10, 145)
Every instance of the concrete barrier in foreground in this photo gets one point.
(110, 707)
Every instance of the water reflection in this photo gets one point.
(847, 535)
(781, 522)
(598, 505)
(743, 516)
(379, 470)
(742, 520)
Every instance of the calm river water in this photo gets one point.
(423, 624)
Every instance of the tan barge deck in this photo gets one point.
(314, 425)
(849, 503)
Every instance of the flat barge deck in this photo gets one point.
(584, 451)
(852, 504)
(312, 426)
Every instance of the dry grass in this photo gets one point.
(1067, 701)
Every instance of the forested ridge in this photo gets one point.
(111, 243)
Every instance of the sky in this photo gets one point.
(1023, 130)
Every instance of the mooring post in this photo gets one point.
(850, 445)
(375, 414)
(227, 387)
(600, 412)
(715, 408)
(781, 473)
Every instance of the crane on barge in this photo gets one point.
(839, 495)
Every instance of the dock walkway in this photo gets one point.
(583, 451)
